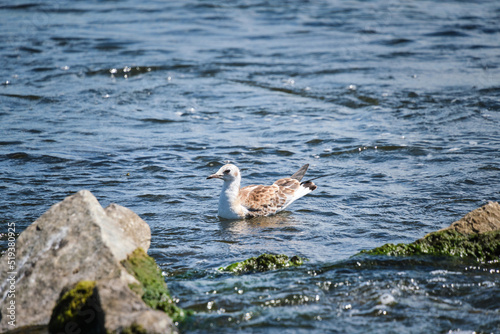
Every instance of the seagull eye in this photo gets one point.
(227, 171)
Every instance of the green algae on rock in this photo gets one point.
(263, 262)
(152, 288)
(475, 236)
(80, 308)
(482, 247)
(134, 329)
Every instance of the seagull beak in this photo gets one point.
(214, 176)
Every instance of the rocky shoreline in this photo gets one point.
(82, 268)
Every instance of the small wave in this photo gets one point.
(30, 50)
(8, 143)
(396, 41)
(490, 90)
(24, 97)
(398, 54)
(111, 45)
(18, 156)
(21, 7)
(130, 71)
(153, 197)
(158, 120)
(36, 158)
(447, 33)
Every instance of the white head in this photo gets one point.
(227, 173)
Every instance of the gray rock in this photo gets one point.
(105, 306)
(74, 240)
(482, 220)
(131, 224)
(123, 309)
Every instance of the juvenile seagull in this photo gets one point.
(258, 200)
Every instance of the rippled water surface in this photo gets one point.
(139, 101)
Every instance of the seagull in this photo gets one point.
(258, 200)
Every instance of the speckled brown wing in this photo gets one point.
(289, 189)
(262, 200)
(288, 184)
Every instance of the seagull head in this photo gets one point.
(228, 173)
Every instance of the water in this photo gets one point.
(139, 101)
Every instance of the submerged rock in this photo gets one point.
(70, 261)
(263, 262)
(475, 236)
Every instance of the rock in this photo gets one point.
(83, 308)
(263, 262)
(131, 224)
(75, 242)
(482, 220)
(78, 309)
(152, 287)
(475, 236)
(122, 306)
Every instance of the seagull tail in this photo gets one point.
(300, 173)
(309, 185)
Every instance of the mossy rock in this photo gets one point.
(134, 329)
(152, 289)
(78, 309)
(481, 247)
(263, 262)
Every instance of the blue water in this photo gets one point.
(139, 101)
